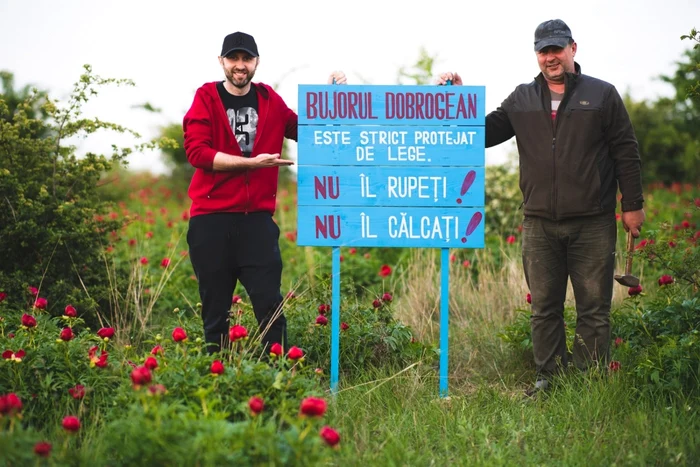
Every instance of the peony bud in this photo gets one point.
(179, 335)
(217, 367)
(276, 349)
(28, 321)
(321, 320)
(106, 333)
(237, 332)
(151, 363)
(256, 405)
(330, 436)
(70, 311)
(71, 424)
(313, 407)
(66, 334)
(140, 376)
(295, 353)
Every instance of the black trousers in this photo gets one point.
(583, 250)
(228, 247)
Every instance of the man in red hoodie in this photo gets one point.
(234, 132)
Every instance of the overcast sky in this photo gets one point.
(170, 48)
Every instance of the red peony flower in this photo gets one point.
(42, 449)
(321, 320)
(165, 262)
(619, 341)
(344, 326)
(106, 333)
(66, 334)
(352, 251)
(330, 436)
(77, 392)
(323, 308)
(313, 407)
(510, 240)
(295, 353)
(528, 298)
(144, 260)
(614, 365)
(466, 263)
(276, 349)
(70, 311)
(28, 321)
(10, 404)
(179, 335)
(41, 303)
(256, 405)
(376, 303)
(217, 367)
(387, 297)
(16, 356)
(236, 299)
(3, 296)
(141, 376)
(132, 242)
(157, 350)
(33, 291)
(634, 291)
(71, 424)
(151, 363)
(665, 280)
(385, 270)
(237, 332)
(101, 361)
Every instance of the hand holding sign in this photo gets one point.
(448, 78)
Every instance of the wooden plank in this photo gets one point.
(398, 105)
(391, 227)
(391, 145)
(397, 186)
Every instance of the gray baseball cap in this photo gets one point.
(553, 32)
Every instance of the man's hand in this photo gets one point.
(443, 78)
(632, 221)
(339, 78)
(269, 160)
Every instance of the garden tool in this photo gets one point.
(628, 280)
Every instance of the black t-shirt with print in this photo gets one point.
(242, 112)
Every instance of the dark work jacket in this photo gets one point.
(571, 167)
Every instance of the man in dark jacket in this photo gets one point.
(576, 146)
(234, 132)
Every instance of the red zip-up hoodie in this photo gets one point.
(207, 131)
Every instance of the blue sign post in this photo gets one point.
(391, 166)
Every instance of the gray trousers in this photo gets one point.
(582, 249)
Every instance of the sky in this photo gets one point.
(170, 48)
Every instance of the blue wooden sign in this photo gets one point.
(391, 105)
(391, 227)
(393, 146)
(391, 166)
(387, 186)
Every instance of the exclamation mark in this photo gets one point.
(473, 224)
(468, 180)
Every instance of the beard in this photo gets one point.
(241, 80)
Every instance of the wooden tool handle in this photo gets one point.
(630, 253)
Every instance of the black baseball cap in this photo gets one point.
(239, 41)
(552, 32)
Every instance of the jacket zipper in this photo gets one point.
(247, 192)
(560, 110)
